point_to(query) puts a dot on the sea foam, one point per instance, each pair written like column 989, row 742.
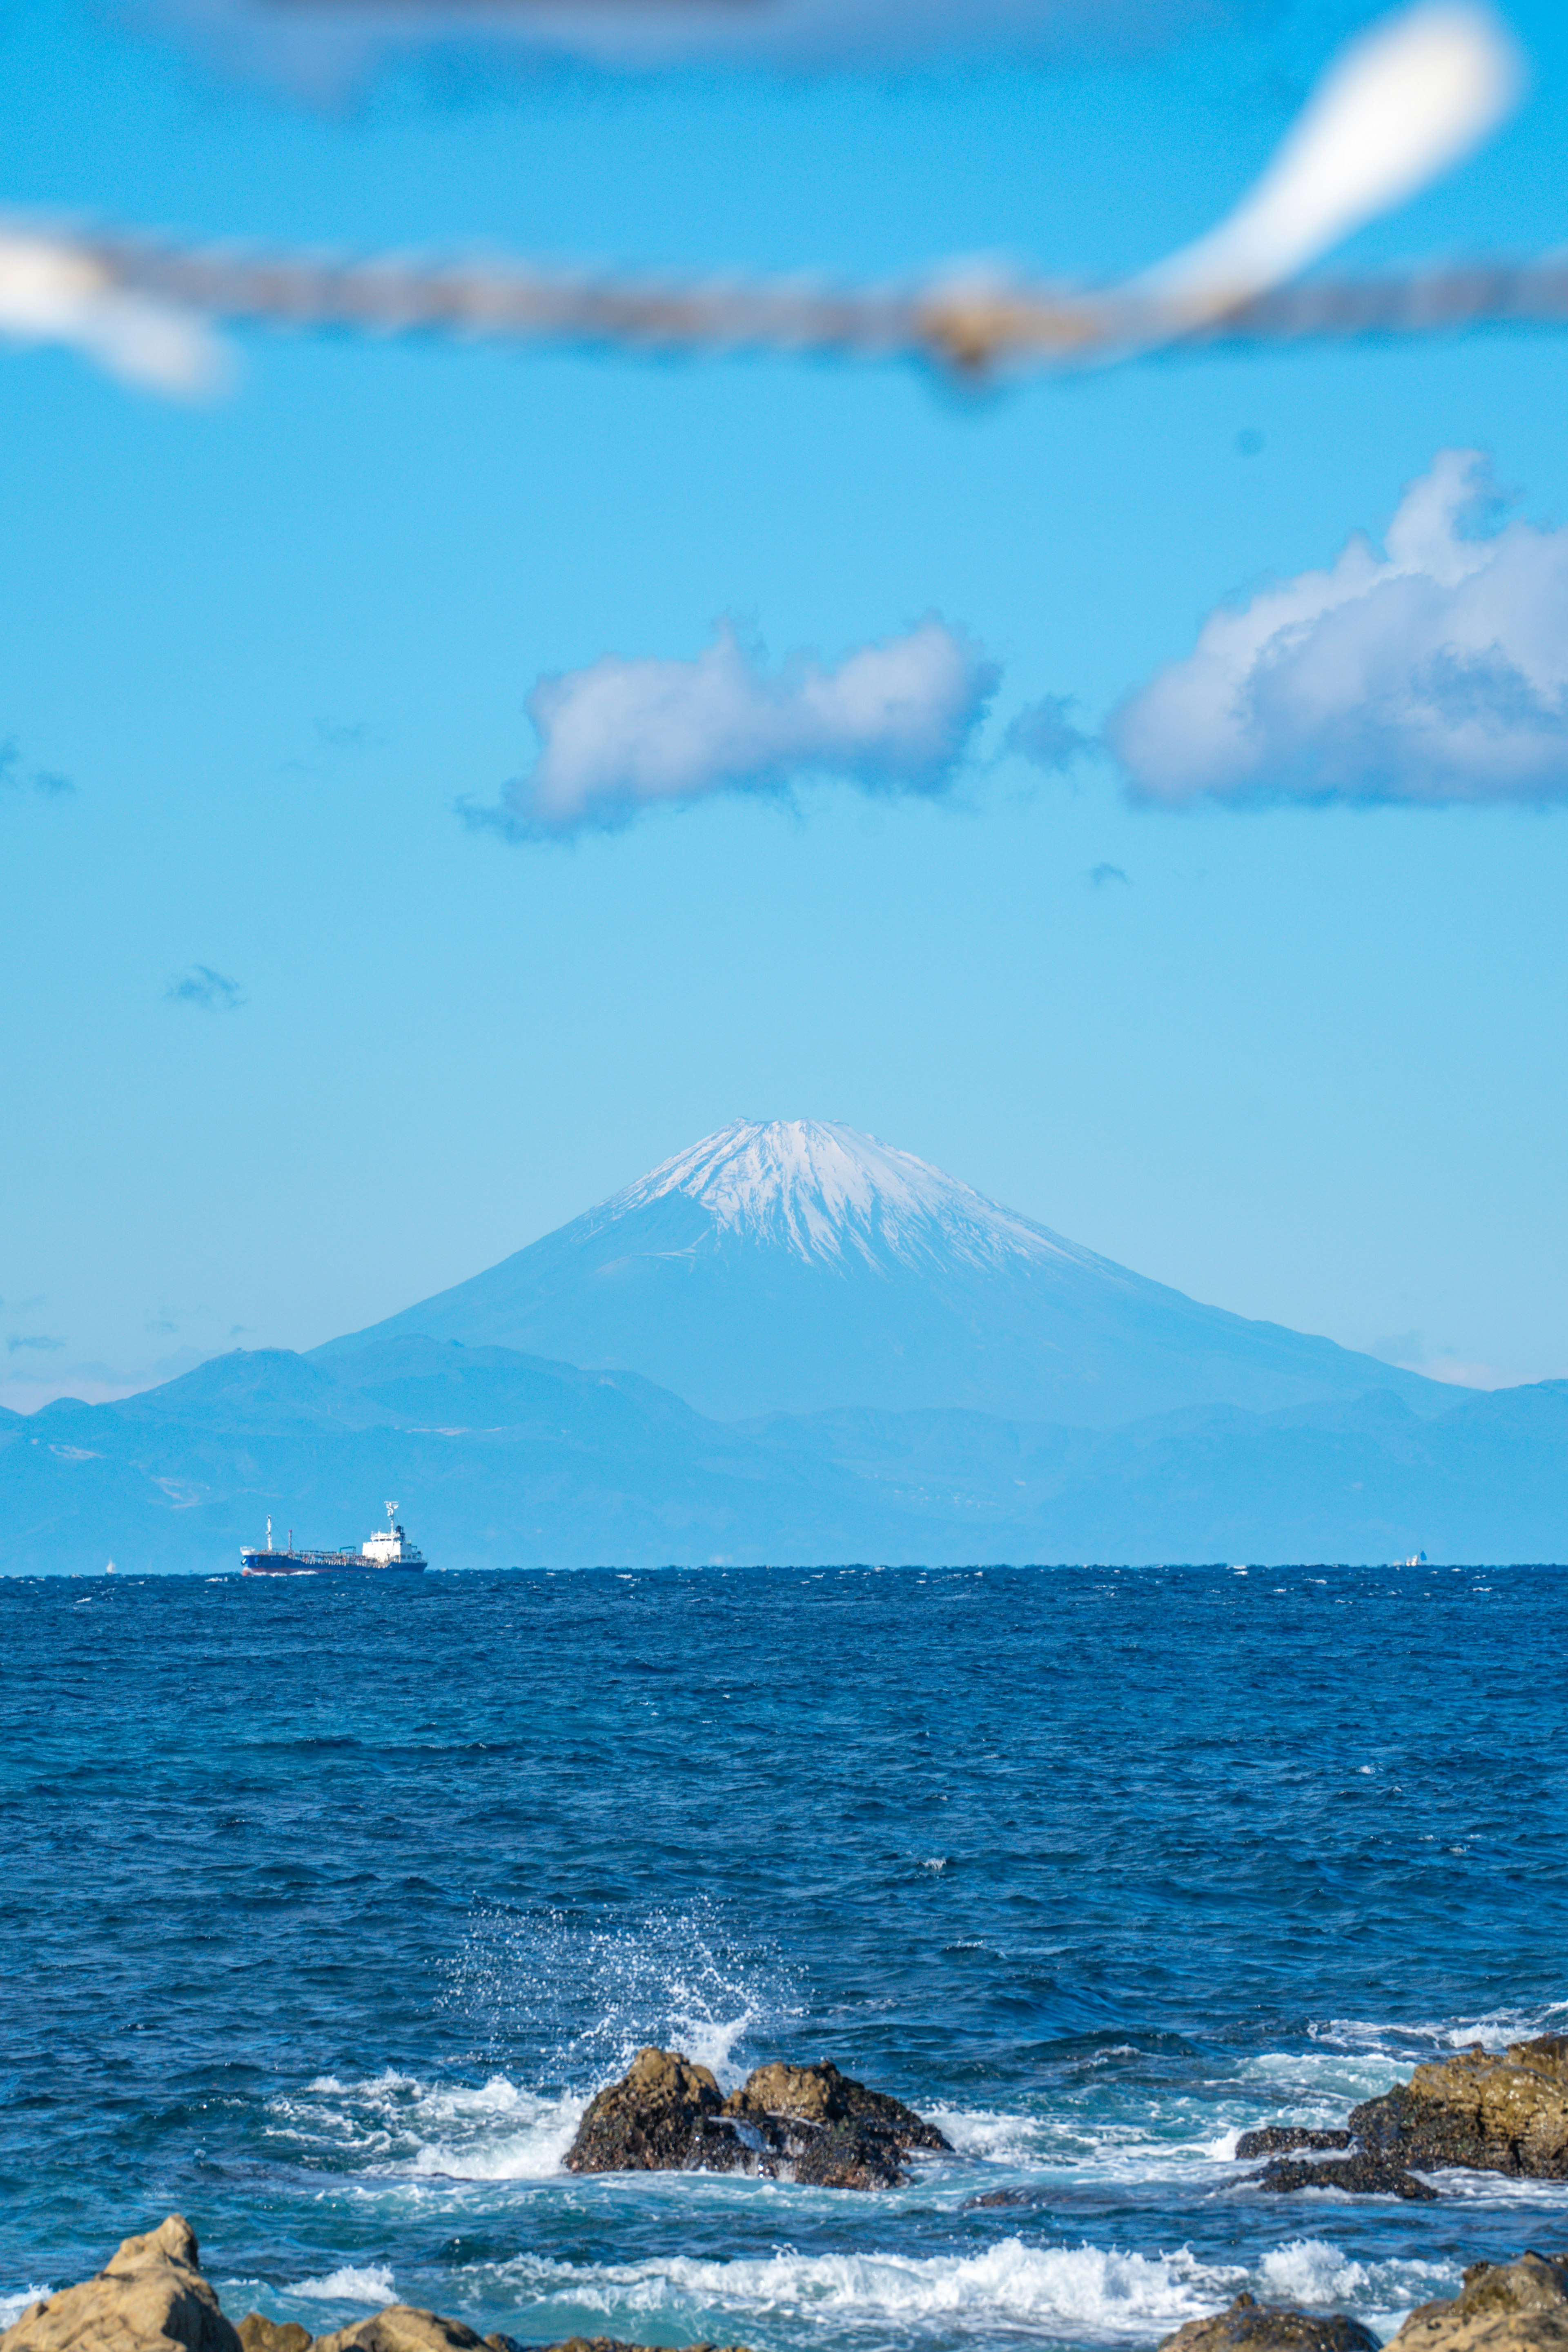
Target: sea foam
column 374, row 2286
column 1097, row 2290
column 15, row 2302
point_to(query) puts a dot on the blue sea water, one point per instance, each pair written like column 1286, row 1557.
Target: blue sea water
column 324, row 1909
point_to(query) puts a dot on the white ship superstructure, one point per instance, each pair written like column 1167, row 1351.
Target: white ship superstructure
column 387, row 1552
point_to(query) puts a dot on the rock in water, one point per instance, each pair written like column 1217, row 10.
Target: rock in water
column 150, row 2297
column 1279, row 2139
column 1250, row 2326
column 1363, row 2174
column 1519, row 2306
column 809, row 2124
column 821, row 2095
column 650, row 2120
column 826, row 2130
column 1505, row 2113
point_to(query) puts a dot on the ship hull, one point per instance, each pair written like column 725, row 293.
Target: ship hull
column 324, row 1563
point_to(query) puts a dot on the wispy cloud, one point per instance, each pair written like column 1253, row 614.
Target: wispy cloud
column 346, row 735
column 17, row 776
column 202, row 986
column 40, row 1342
column 1102, row 874
column 1044, row 733
column 622, row 736
column 1436, row 670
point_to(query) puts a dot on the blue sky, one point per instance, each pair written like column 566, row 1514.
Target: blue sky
column 289, row 1044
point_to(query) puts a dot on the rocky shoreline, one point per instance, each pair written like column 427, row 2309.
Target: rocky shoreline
column 1496, row 2111
column 151, row 2297
column 1519, row 2306
column 1483, row 2111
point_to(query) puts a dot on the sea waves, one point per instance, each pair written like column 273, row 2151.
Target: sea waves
column 336, row 1973
column 1079, row 2293
column 393, row 2127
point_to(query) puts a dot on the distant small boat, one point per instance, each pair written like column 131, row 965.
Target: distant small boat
column 388, row 1552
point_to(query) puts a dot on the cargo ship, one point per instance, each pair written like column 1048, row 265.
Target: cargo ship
column 388, row 1552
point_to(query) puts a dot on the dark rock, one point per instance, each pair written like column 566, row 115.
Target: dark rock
column 1270, row 2328
column 849, row 2156
column 1005, row 2197
column 650, row 2120
column 821, row 2095
column 260, row 2334
column 807, row 2124
column 1493, row 2111
column 1359, row 2175
column 1279, row 2139
column 1519, row 2306
column 1490, row 2111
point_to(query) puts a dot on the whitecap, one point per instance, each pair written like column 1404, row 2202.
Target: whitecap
column 495, row 2133
column 350, row 2285
column 1321, row 2275
column 986, row 2133
column 1310, row 2270
column 1096, row 2292
column 15, row 2302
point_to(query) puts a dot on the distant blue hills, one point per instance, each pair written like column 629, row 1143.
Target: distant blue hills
column 792, row 1345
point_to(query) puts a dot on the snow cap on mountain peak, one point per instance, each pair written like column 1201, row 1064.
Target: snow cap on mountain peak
column 823, row 1190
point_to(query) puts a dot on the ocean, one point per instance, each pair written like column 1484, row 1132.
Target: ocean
column 323, row 1910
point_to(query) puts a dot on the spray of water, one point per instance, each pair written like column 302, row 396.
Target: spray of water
column 572, row 2001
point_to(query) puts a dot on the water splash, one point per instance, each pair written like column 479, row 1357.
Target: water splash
column 575, row 2002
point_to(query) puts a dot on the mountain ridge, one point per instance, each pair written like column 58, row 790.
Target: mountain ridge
column 505, row 1460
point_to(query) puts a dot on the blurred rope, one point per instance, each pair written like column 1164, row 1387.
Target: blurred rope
column 972, row 326
column 1404, row 100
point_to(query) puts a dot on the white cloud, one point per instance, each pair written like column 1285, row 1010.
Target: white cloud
column 620, row 735
column 1435, row 671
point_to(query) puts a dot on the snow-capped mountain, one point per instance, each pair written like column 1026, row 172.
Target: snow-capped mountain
column 816, row 1189
column 796, row 1265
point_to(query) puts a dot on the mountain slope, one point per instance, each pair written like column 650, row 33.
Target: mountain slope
column 798, row 1266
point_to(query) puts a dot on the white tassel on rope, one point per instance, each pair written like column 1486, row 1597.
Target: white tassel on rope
column 52, row 291
column 1402, row 104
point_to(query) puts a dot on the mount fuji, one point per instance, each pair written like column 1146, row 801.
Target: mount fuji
column 796, row 1267
column 792, row 1343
